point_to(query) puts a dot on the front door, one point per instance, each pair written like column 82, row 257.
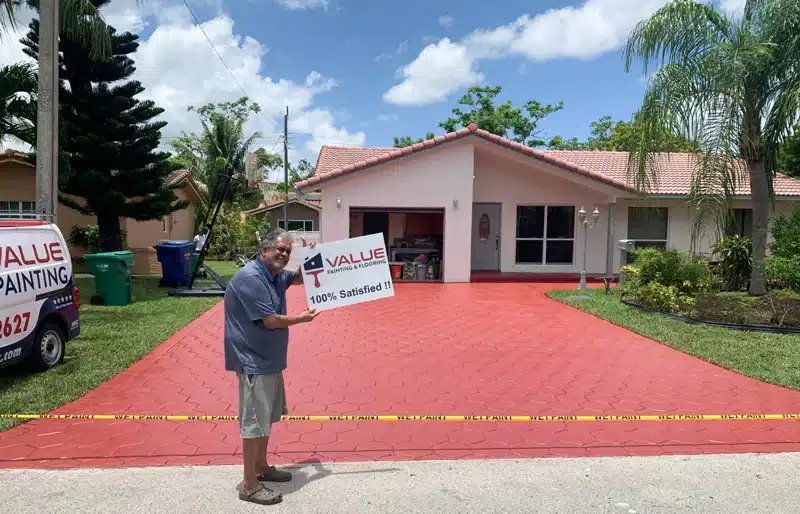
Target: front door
column 486, row 236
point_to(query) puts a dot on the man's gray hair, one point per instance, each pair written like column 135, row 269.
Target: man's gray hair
column 269, row 239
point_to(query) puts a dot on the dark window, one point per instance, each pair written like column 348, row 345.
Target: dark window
column 545, row 235
column 530, row 222
column 561, row 223
column 741, row 223
column 529, row 251
column 647, row 226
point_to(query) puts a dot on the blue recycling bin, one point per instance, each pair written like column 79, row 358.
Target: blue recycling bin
column 176, row 262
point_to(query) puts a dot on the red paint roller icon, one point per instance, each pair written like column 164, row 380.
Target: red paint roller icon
column 313, row 266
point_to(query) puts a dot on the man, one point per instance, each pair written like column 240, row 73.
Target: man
column 200, row 240
column 256, row 344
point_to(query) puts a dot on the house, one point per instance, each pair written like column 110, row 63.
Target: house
column 18, row 194
column 303, row 212
column 495, row 206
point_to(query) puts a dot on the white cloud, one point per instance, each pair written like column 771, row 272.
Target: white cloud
column 590, row 30
column 387, row 117
column 304, row 4
column 400, row 50
column 446, row 20
column 178, row 68
column 439, row 70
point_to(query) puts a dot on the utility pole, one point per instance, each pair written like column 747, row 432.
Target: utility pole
column 47, row 113
column 286, row 170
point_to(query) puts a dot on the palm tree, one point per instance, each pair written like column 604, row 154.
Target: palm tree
column 733, row 84
column 225, row 148
column 80, row 21
column 17, row 107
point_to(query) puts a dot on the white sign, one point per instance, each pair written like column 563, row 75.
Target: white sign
column 346, row 272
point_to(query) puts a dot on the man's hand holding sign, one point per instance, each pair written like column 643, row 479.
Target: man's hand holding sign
column 346, row 272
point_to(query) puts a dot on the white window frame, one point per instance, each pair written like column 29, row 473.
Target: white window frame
column 304, row 222
column 649, row 240
column 164, row 224
column 18, row 212
column 544, row 238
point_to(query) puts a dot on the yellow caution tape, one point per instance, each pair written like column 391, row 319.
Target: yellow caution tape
column 659, row 417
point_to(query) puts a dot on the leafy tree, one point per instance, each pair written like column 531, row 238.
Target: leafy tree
column 516, row 123
column 732, row 84
column 559, row 143
column 268, row 161
column 17, row 109
column 222, row 146
column 108, row 137
column 298, row 173
column 789, row 154
column 619, row 136
column 404, row 141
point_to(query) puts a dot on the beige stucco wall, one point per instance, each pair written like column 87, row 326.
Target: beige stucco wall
column 680, row 222
column 18, row 182
column 177, row 226
column 430, row 179
column 512, row 182
column 294, row 211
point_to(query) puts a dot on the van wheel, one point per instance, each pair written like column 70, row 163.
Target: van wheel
column 48, row 347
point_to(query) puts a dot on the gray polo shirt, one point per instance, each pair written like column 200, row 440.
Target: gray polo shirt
column 252, row 294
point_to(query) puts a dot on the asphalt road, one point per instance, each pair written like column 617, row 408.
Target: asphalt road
column 629, row 485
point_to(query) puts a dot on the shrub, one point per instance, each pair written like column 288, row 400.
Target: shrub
column 234, row 236
column 783, row 272
column 777, row 308
column 657, row 296
column 736, row 254
column 88, row 237
column 786, row 236
column 726, row 307
column 672, row 268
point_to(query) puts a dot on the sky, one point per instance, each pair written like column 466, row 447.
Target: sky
column 359, row 72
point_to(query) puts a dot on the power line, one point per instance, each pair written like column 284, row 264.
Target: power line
column 199, row 26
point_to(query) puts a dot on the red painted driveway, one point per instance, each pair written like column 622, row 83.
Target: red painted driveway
column 432, row 349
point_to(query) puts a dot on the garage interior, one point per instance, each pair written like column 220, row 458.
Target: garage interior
column 414, row 240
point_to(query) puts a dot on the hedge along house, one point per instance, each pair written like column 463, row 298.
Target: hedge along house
column 18, row 197
column 502, row 209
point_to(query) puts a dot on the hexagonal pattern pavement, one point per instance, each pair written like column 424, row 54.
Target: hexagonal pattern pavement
column 490, row 349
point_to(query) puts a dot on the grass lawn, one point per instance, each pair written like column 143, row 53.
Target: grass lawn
column 112, row 338
column 768, row 357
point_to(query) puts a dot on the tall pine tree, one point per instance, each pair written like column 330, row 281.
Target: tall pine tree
column 108, row 140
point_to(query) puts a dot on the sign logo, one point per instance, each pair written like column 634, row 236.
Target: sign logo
column 313, row 265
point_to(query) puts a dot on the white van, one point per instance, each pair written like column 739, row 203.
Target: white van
column 38, row 299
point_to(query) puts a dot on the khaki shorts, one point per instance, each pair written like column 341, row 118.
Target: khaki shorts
column 262, row 402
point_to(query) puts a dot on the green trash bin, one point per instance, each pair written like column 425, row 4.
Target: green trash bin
column 112, row 274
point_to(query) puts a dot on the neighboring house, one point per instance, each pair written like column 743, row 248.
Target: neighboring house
column 303, row 212
column 17, row 199
column 498, row 206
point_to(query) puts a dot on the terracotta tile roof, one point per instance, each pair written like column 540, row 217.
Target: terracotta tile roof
column 277, row 200
column 674, row 170
column 14, row 155
column 335, row 157
column 176, row 177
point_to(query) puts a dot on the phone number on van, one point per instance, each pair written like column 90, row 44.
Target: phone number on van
column 14, row 324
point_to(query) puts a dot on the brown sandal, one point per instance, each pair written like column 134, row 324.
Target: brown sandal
column 260, row 495
column 275, row 475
